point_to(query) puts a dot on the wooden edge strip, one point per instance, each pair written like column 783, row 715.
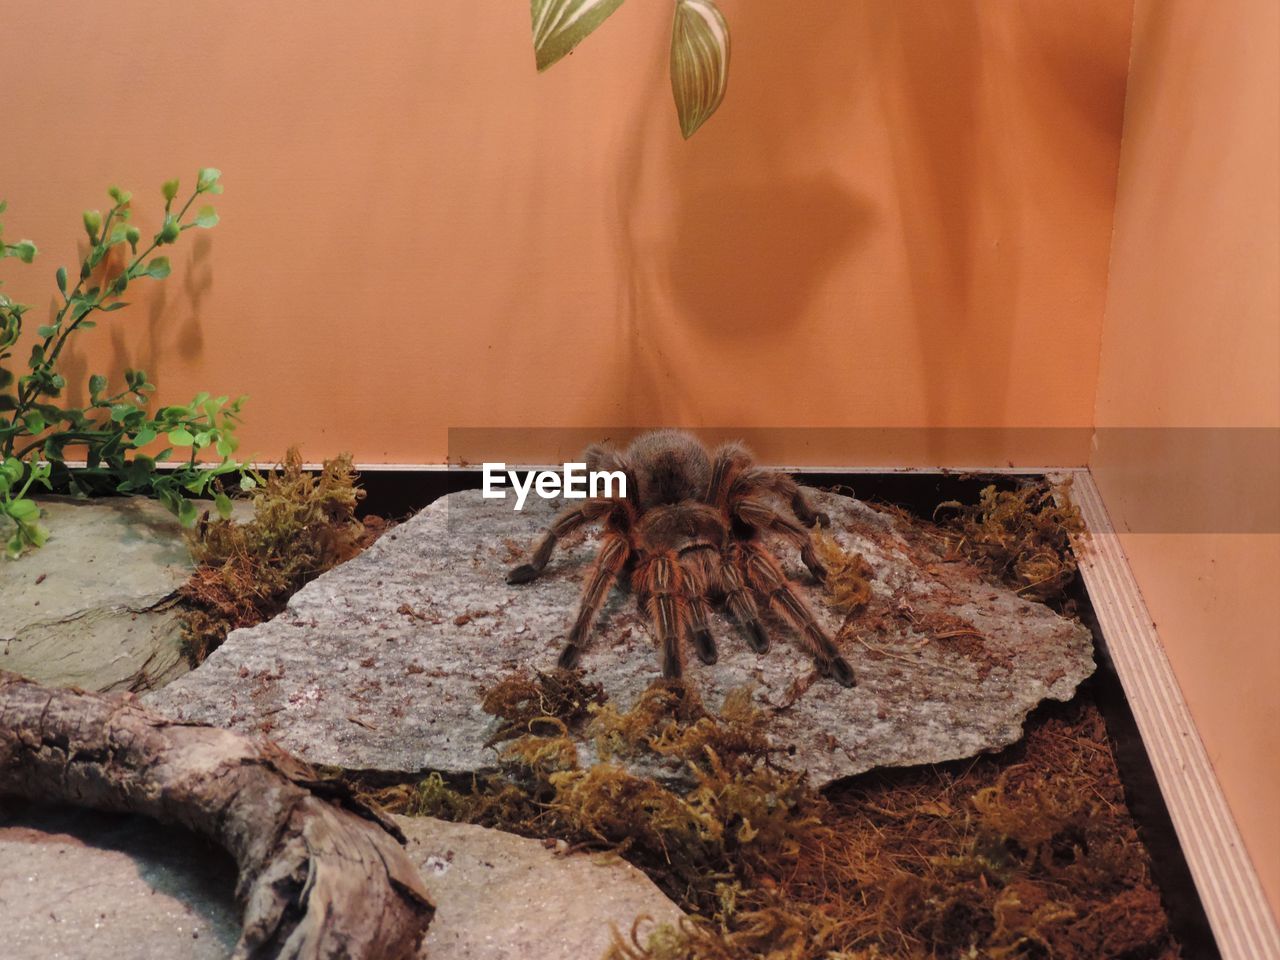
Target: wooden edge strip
column 1238, row 911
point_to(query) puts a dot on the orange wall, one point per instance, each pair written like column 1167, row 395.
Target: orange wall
column 900, row 217
column 1192, row 338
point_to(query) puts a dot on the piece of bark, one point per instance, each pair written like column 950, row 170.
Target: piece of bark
column 320, row 874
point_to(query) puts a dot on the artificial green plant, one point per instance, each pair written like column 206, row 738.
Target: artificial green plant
column 38, row 426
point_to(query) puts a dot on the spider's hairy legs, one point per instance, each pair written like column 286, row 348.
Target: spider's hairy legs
column 767, row 579
column 738, row 599
column 761, row 516
column 786, row 488
column 565, row 522
column 662, row 590
column 613, row 554
column 699, row 564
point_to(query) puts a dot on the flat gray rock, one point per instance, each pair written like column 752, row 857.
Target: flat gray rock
column 380, row 664
column 500, row 896
column 82, row 885
column 88, row 886
column 94, row 607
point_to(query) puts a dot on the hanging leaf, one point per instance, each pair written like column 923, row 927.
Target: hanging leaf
column 560, row 25
column 699, row 62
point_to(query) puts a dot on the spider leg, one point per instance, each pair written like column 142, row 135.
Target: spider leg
column 699, row 573
column 760, row 515
column 764, row 574
column 614, row 550
column 565, row 522
column 741, row 604
column 786, row 488
column 662, row 588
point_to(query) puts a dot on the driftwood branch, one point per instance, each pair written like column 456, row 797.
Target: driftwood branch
column 320, row 874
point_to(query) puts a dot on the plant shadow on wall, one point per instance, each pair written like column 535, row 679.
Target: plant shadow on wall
column 171, row 329
column 759, row 214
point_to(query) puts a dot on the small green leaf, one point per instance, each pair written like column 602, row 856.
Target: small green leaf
column 699, row 62
column 247, row 482
column 23, row 511
column 223, row 503
column 158, row 268
column 560, row 25
column 118, row 195
column 207, row 178
column 144, row 436
column 61, row 277
column 24, row 250
column 206, row 217
column 187, row 513
column 35, row 422
column 181, row 437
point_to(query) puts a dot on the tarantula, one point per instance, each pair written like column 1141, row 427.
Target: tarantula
column 688, row 534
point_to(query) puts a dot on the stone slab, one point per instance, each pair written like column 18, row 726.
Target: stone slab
column 81, row 885
column 95, row 606
column 380, row 664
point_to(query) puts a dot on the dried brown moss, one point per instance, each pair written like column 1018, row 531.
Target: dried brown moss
column 849, row 576
column 540, row 703
column 1028, row 853
column 1022, row 536
column 302, row 525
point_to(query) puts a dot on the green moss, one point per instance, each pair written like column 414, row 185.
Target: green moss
column 302, row 525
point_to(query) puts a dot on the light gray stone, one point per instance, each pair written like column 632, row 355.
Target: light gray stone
column 88, row 886
column 81, row 885
column 380, row 664
column 95, row 606
column 500, row 896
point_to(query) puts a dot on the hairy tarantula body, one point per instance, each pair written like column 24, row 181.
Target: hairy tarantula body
column 689, row 535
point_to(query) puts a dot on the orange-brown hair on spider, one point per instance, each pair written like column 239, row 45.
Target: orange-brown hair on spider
column 689, row 534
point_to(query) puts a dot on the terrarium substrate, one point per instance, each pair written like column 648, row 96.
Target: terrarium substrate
column 383, row 669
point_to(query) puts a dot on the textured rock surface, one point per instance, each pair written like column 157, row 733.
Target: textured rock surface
column 93, row 608
column 84, row 885
column 501, row 896
column 81, row 885
column 380, row 663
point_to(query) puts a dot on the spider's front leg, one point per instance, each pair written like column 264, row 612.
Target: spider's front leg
column 699, row 565
column 786, row 488
column 766, row 577
column 565, row 522
column 661, row 589
column 742, row 606
column 761, row 516
column 614, row 550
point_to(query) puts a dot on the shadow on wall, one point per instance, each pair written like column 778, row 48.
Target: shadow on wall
column 756, row 226
column 171, row 329
column 954, row 203
column 948, row 97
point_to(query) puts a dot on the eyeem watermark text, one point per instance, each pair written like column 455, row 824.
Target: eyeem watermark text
column 577, row 483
